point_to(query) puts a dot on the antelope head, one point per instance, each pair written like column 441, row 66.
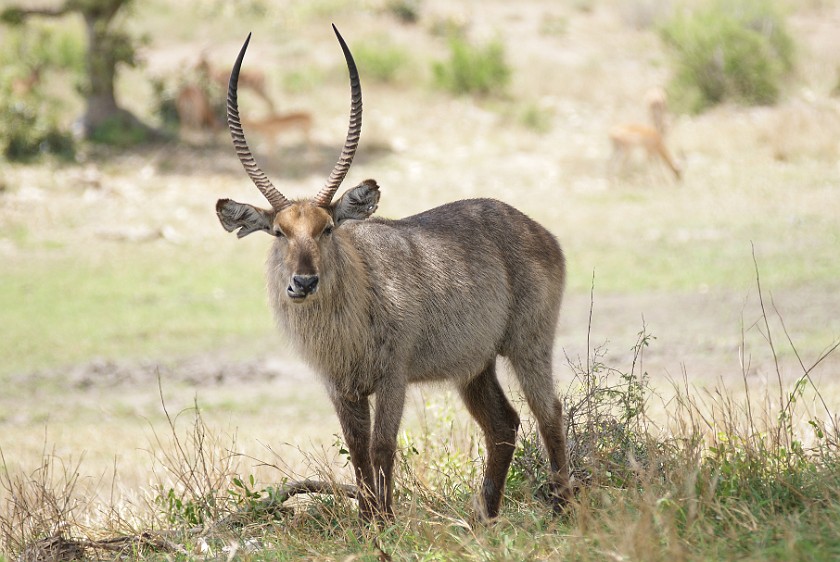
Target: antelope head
column 304, row 228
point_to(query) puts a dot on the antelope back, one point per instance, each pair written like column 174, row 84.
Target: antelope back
column 430, row 297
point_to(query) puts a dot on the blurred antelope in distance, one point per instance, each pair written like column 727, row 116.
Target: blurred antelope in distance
column 195, row 112
column 22, row 86
column 627, row 136
column 251, row 79
column 270, row 128
column 374, row 305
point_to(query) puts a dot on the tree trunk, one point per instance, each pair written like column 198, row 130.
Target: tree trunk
column 101, row 105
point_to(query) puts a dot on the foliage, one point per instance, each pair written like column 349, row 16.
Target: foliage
column 108, row 46
column 44, row 44
column 121, row 130
column 164, row 105
column 609, row 433
column 728, row 50
column 382, row 61
column 535, row 117
column 29, row 115
column 26, row 134
column 473, row 69
column 406, row 11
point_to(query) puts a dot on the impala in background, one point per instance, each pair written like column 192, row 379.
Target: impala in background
column 627, row 136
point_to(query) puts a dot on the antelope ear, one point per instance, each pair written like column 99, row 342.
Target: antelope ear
column 246, row 218
column 357, row 203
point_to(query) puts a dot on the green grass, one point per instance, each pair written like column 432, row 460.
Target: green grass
column 148, row 302
column 159, row 301
column 700, row 265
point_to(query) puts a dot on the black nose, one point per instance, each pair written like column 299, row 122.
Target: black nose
column 305, row 283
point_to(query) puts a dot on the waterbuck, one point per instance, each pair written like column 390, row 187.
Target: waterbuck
column 374, row 305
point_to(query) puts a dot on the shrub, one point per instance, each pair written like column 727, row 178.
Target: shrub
column 382, row 62
column 536, row 118
column 26, row 135
column 164, row 104
column 728, row 50
column 473, row 69
column 45, row 44
column 122, row 130
column 406, row 11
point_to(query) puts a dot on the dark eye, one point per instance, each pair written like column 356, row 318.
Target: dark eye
column 328, row 230
column 279, row 233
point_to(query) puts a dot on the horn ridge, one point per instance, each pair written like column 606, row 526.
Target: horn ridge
column 278, row 200
column 354, row 131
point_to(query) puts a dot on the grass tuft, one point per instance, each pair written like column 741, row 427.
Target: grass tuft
column 473, row 69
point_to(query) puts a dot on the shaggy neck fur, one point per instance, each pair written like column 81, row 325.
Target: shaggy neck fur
column 330, row 327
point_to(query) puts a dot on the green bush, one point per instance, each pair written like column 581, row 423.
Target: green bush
column 473, row 69
column 26, row 135
column 44, row 44
column 737, row 50
column 406, row 11
column 164, row 105
column 121, row 130
column 382, row 62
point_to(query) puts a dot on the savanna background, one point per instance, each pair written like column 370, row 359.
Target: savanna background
column 145, row 395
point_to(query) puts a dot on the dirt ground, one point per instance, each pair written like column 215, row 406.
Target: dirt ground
column 426, row 148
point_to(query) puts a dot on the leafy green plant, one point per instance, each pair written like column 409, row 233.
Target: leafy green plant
column 181, row 509
column 609, row 432
column 473, row 69
column 728, row 50
column 245, row 495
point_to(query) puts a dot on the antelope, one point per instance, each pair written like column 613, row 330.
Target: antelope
column 253, row 79
column 194, row 109
column 269, row 128
column 374, row 305
column 626, row 136
column 22, row 86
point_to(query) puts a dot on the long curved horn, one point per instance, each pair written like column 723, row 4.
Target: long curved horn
column 353, row 133
column 277, row 199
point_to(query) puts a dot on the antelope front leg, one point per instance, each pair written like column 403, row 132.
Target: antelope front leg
column 354, row 417
column 390, row 399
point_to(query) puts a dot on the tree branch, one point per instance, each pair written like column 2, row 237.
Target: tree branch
column 16, row 15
